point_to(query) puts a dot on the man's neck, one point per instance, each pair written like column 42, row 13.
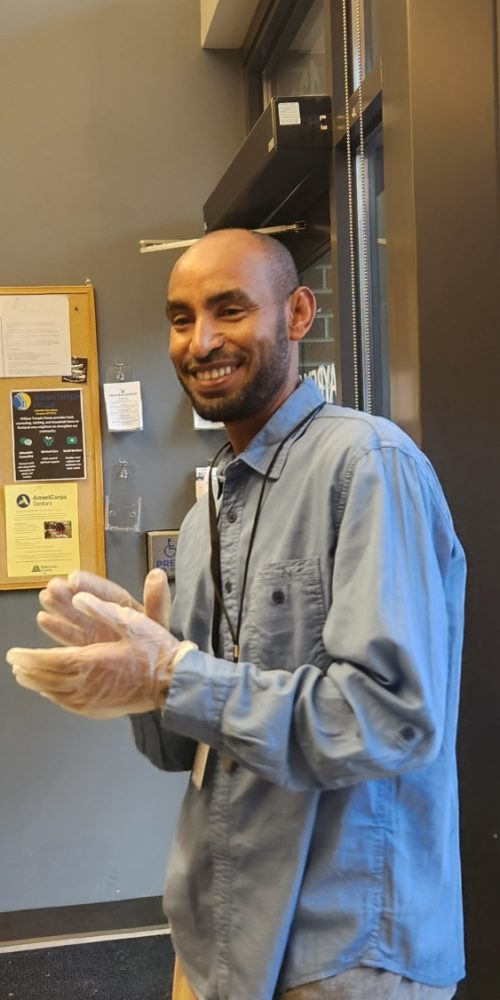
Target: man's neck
column 241, row 432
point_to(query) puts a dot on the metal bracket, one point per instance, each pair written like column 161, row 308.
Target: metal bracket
column 152, row 246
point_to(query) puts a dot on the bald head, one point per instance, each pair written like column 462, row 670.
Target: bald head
column 279, row 263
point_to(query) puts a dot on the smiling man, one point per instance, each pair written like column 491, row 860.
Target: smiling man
column 309, row 677
column 236, row 318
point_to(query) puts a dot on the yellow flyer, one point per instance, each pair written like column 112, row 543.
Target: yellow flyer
column 42, row 529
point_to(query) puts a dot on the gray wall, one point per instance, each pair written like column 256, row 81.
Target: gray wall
column 116, row 126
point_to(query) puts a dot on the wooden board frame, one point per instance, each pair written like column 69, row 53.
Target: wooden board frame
column 90, row 490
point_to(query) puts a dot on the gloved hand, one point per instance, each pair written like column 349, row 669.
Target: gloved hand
column 61, row 621
column 127, row 671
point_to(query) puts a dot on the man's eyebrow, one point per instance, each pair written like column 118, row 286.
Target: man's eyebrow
column 176, row 305
column 230, row 295
column 236, row 295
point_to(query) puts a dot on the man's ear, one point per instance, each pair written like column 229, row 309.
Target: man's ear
column 302, row 310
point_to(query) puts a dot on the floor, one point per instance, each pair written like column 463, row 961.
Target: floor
column 137, row 968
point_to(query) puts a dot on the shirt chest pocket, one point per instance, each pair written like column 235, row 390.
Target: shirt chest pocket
column 285, row 616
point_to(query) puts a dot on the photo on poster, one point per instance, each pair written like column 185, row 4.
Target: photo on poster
column 57, row 529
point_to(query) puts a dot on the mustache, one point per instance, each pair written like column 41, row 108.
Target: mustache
column 219, row 356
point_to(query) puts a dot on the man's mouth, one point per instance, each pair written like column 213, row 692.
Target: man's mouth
column 212, row 374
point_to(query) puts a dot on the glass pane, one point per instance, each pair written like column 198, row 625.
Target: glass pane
column 316, row 357
column 302, row 68
column 365, row 44
column 373, row 275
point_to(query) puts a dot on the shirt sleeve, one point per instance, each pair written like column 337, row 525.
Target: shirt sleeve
column 167, row 750
column 392, row 633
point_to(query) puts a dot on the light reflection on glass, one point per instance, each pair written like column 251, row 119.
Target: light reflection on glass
column 373, row 298
column 365, row 52
column 302, row 68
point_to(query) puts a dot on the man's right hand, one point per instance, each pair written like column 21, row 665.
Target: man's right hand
column 66, row 625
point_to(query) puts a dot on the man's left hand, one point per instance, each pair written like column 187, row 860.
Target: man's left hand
column 126, row 675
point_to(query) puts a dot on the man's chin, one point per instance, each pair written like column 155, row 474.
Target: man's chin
column 228, row 408
column 208, row 409
column 212, row 413
column 225, row 410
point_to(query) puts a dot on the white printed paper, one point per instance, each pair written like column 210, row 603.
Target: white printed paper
column 202, row 480
column 34, row 336
column 200, row 424
column 289, row 113
column 123, row 404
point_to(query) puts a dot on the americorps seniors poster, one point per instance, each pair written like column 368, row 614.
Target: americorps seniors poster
column 42, row 530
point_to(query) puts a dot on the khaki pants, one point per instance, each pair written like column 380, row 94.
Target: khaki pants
column 357, row 984
column 368, row 984
column 181, row 989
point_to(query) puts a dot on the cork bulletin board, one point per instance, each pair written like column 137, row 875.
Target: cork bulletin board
column 51, row 486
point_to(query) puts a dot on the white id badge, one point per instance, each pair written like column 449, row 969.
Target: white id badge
column 199, row 765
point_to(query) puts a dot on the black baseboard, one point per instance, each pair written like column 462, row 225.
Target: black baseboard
column 87, row 918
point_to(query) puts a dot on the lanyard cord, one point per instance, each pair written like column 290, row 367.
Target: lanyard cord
column 219, row 603
column 215, row 560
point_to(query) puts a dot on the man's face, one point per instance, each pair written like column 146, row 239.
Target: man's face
column 229, row 336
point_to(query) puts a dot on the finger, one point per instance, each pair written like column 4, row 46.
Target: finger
column 66, row 659
column 57, row 596
column 60, row 629
column 25, row 680
column 82, row 581
column 57, row 601
column 44, row 682
column 106, row 612
column 126, row 623
column 157, row 599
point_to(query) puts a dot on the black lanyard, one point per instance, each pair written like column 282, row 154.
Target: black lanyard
column 219, row 604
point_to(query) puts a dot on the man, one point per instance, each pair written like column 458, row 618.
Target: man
column 316, row 699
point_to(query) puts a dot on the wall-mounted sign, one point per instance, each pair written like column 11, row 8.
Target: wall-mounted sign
column 162, row 551
column 47, row 434
column 200, row 424
column 34, row 335
column 123, row 402
column 42, row 531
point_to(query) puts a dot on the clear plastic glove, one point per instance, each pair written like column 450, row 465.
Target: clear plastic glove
column 61, row 620
column 129, row 672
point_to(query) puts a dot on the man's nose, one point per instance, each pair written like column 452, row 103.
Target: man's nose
column 204, row 337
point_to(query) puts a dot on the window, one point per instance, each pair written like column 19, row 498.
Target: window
column 317, row 349
column 361, row 244
column 372, row 244
column 365, row 39
column 301, row 68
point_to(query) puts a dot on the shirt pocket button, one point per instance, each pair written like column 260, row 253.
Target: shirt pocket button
column 278, row 597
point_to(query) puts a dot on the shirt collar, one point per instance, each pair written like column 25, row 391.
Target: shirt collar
column 296, row 407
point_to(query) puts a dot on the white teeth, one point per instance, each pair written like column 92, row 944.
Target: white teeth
column 208, row 375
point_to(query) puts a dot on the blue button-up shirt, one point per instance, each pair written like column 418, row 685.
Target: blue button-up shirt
column 333, row 842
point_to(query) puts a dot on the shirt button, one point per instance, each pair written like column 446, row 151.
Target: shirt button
column 407, row 732
column 278, row 597
column 232, row 515
column 228, row 586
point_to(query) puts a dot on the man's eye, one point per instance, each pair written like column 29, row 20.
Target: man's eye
column 180, row 322
column 232, row 312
